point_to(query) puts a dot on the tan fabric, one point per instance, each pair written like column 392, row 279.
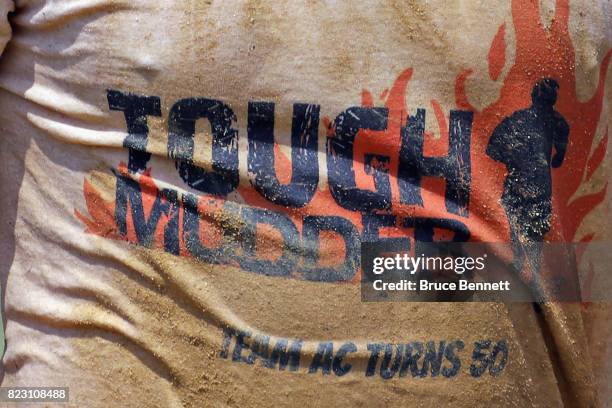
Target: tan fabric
column 124, row 325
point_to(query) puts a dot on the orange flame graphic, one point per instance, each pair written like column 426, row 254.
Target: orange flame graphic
column 540, row 53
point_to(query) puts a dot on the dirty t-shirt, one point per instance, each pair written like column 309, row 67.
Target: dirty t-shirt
column 185, row 187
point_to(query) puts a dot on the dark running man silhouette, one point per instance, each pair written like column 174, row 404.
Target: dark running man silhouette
column 524, row 142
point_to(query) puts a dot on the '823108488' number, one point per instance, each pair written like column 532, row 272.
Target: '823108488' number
column 34, row 394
